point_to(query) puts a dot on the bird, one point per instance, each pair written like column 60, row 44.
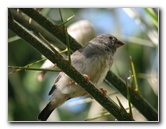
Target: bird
column 93, row 61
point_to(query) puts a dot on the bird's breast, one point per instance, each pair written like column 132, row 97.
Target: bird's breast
column 97, row 68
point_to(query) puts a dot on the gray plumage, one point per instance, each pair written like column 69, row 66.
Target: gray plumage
column 94, row 60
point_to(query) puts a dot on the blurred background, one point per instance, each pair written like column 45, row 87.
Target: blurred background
column 136, row 27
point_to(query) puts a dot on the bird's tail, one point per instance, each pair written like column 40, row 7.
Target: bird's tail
column 45, row 113
column 56, row 100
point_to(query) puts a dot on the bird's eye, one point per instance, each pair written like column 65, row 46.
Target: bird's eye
column 113, row 40
column 111, row 37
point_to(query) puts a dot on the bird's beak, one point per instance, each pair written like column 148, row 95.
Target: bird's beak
column 119, row 43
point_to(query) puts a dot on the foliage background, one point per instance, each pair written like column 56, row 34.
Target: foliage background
column 27, row 96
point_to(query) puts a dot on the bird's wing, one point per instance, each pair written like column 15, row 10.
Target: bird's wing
column 54, row 86
column 52, row 89
column 78, row 61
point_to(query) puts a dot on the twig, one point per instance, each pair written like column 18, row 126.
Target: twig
column 134, row 74
column 36, row 69
column 26, row 66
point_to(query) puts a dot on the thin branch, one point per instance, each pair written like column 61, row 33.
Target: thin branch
column 120, row 104
column 36, row 69
column 28, row 65
column 68, row 20
column 134, row 74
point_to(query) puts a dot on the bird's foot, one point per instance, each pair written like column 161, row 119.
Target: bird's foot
column 87, row 77
column 104, row 91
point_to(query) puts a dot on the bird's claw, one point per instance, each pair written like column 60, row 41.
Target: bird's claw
column 104, row 91
column 87, row 77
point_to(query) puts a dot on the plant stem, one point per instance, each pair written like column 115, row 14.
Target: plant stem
column 134, row 74
column 36, row 69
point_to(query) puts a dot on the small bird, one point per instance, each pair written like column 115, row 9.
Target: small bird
column 93, row 61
